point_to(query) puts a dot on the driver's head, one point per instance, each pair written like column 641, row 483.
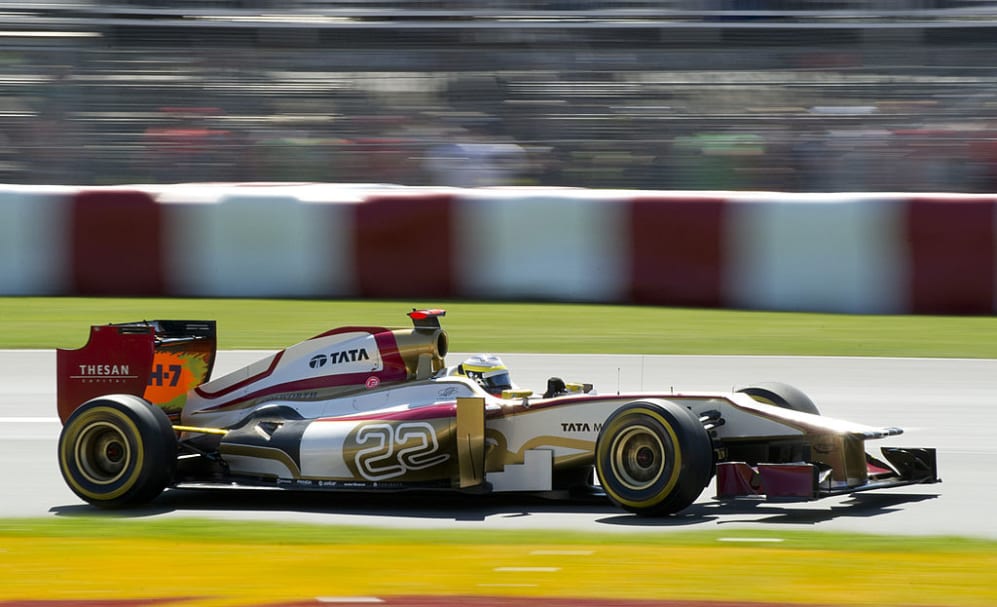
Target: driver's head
column 489, row 371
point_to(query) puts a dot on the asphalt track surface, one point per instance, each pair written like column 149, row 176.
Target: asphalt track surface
column 948, row 404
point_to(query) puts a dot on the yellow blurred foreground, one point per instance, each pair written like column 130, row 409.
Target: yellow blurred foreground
column 209, row 572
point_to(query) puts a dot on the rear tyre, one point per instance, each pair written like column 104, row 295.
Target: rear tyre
column 781, row 395
column 653, row 457
column 117, row 451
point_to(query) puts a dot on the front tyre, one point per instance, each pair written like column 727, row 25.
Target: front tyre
column 117, row 451
column 653, row 457
column 781, row 395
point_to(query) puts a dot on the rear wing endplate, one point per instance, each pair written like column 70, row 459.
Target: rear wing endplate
column 159, row 360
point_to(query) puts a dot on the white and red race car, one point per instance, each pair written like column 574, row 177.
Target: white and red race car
column 364, row 408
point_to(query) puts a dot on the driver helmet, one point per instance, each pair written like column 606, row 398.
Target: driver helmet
column 489, row 371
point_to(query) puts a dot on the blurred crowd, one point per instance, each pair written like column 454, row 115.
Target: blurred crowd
column 758, row 103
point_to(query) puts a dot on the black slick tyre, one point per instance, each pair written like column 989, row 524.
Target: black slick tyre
column 653, row 457
column 117, row 451
column 781, row 395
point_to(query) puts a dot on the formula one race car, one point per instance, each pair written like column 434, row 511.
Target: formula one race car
column 374, row 409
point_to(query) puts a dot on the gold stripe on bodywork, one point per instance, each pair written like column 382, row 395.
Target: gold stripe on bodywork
column 500, row 456
column 471, row 441
column 263, row 453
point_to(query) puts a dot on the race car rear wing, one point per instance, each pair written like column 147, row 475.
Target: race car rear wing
column 159, row 360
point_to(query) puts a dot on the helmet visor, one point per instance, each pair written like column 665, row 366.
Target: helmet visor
column 492, row 381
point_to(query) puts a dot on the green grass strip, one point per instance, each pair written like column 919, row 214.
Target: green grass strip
column 110, row 525
column 521, row 327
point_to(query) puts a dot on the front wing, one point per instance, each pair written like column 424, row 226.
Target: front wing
column 804, row 481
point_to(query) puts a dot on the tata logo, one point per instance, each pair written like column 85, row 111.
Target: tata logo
column 580, row 427
column 338, row 358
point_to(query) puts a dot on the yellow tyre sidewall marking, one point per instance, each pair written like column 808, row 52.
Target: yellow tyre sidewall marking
column 676, row 460
column 765, row 401
column 128, row 428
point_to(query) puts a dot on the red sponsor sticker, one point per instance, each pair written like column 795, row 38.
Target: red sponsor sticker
column 372, row 382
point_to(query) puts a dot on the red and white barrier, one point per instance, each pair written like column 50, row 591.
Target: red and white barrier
column 35, row 249
column 403, row 245
column 677, row 251
column 849, row 253
column 115, row 240
column 562, row 245
column 834, row 252
column 951, row 254
column 259, row 242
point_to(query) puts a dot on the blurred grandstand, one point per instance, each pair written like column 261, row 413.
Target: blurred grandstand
column 796, row 95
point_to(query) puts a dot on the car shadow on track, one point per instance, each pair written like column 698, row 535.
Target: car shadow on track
column 725, row 512
column 414, row 505
column 442, row 506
